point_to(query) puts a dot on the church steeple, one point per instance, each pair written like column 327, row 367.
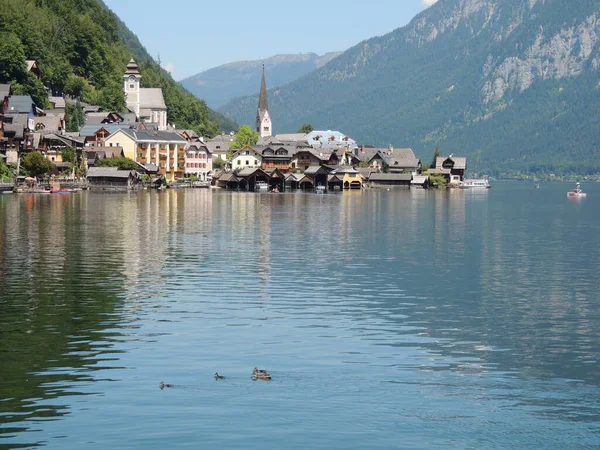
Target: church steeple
column 263, row 118
column 131, row 87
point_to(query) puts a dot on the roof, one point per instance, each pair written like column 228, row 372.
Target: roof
column 399, row 157
column 191, row 134
column 48, row 123
column 58, row 102
column 90, row 130
column 460, row 162
column 151, row 135
column 95, row 118
column 55, row 137
column 196, row 147
column 313, row 170
column 366, row 172
column 132, row 68
column 295, row 176
column 249, row 171
column 229, row 176
column 419, row 179
column 291, row 137
column 367, row 154
column 150, row 168
column 217, row 146
column 390, row 177
column 30, row 64
column 18, row 125
column 107, row 172
column 20, row 104
column 152, row 98
column 262, row 98
column 329, row 139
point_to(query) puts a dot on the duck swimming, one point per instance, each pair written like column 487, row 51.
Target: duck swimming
column 165, row 385
column 259, row 374
column 219, row 377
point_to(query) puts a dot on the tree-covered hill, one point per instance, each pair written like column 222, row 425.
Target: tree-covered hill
column 82, row 49
column 512, row 84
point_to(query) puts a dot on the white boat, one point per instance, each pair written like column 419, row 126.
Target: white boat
column 576, row 192
column 475, row 184
column 261, row 186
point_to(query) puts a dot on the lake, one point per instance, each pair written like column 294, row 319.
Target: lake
column 387, row 319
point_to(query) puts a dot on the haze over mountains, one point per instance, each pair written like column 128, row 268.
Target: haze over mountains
column 512, row 84
column 219, row 85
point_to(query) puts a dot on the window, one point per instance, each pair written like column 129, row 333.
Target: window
column 266, row 128
column 247, row 162
column 239, row 162
column 132, row 86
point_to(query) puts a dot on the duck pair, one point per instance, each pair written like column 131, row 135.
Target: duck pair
column 259, row 374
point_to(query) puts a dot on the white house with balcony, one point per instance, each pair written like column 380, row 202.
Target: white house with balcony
column 246, row 157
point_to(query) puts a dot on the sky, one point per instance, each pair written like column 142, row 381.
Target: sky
column 194, row 35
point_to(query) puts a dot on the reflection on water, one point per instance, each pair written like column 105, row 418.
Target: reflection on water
column 435, row 319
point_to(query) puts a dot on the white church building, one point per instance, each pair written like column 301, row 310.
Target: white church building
column 148, row 104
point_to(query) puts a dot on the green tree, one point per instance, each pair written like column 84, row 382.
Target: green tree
column 219, row 164
column 436, row 155
column 36, row 165
column 77, row 87
column 306, row 128
column 12, row 58
column 68, row 155
column 75, row 118
column 112, row 97
column 6, row 172
column 120, row 162
column 245, row 136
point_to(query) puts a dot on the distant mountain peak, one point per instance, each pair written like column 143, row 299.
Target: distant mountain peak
column 221, row 84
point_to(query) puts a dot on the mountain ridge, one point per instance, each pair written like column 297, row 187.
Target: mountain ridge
column 221, row 84
column 457, row 70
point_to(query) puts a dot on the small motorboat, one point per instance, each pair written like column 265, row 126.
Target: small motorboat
column 261, row 186
column 482, row 183
column 576, row 192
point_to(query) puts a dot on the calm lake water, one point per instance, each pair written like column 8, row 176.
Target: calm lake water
column 395, row 319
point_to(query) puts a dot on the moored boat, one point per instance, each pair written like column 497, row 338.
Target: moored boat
column 482, row 183
column 576, row 192
column 261, row 186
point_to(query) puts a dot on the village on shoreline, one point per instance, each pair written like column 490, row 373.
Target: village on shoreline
column 140, row 149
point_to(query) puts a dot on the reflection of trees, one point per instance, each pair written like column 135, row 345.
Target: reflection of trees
column 52, row 323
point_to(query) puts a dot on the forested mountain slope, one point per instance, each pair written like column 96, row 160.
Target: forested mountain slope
column 513, row 84
column 82, row 49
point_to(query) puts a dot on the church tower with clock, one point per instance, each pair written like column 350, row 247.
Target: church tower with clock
column 263, row 118
column 131, row 86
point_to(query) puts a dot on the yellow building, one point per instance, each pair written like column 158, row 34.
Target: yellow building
column 164, row 149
